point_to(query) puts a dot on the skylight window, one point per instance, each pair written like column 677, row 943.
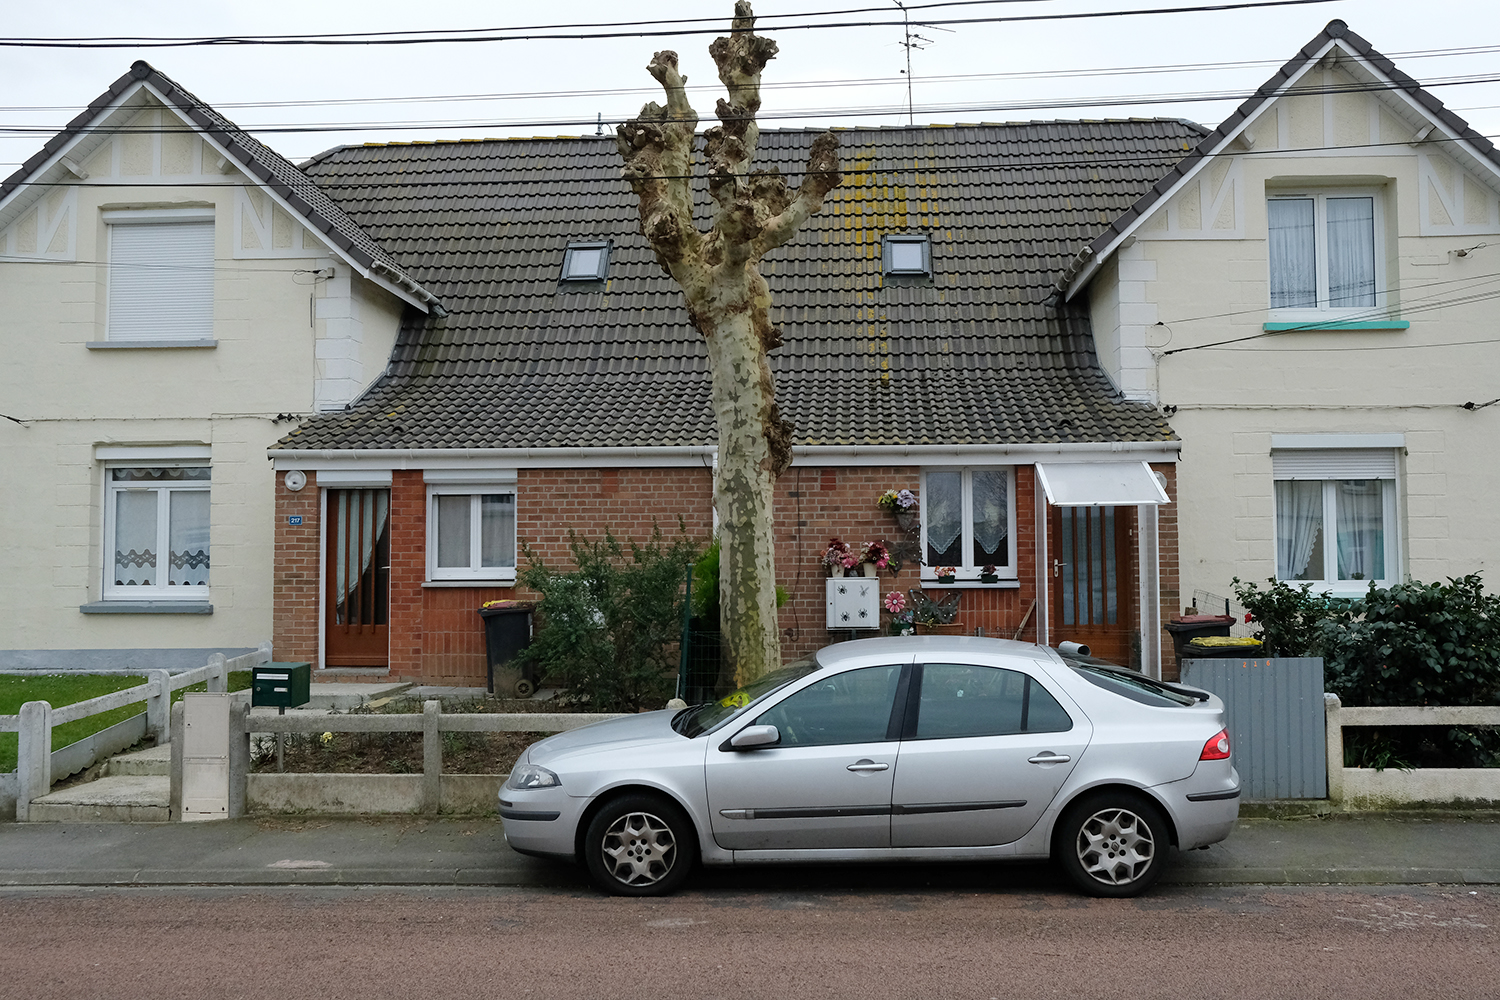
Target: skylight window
column 586, row 261
column 911, row 255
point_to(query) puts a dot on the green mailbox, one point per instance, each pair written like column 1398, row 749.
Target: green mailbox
column 280, row 685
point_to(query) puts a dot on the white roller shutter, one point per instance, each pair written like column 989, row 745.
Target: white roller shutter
column 161, row 281
column 1334, row 463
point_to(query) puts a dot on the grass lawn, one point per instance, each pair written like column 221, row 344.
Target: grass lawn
column 66, row 689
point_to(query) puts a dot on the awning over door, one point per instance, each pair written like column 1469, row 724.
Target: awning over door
column 1101, row 484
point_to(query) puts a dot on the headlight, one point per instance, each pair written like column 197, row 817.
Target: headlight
column 532, row 776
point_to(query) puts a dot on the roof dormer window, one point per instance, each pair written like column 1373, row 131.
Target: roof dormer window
column 907, row 254
column 586, row 261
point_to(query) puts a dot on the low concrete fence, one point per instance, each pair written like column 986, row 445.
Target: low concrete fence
column 38, row 765
column 1367, row 788
column 430, row 792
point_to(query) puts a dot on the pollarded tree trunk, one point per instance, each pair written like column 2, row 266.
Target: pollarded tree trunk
column 729, row 304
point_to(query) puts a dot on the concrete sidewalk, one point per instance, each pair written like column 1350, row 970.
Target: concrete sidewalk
column 1369, row 850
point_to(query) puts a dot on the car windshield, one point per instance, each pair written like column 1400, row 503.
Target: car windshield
column 691, row 722
column 1134, row 686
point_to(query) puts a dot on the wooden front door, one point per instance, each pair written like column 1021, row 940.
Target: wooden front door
column 357, row 574
column 1093, row 583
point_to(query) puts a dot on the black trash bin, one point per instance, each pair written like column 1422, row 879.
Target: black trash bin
column 1189, row 627
column 507, row 631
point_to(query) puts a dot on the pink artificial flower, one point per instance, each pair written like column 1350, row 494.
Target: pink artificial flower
column 895, row 603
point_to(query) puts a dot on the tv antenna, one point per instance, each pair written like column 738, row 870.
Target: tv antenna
column 913, row 42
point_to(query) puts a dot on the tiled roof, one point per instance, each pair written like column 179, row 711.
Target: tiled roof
column 1215, row 140
column 981, row 354
column 259, row 160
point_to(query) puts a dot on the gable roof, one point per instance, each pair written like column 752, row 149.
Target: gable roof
column 1336, row 32
column 267, row 166
column 981, row 354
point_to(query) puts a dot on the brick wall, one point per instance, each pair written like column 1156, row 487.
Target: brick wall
column 295, row 574
column 1170, row 568
column 437, row 636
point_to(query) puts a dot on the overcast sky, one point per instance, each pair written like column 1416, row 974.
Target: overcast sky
column 844, row 76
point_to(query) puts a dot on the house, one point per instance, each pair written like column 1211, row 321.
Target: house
column 173, row 296
column 561, row 388
column 1310, row 295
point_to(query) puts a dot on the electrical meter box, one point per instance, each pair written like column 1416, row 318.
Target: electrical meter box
column 853, row 603
column 280, row 685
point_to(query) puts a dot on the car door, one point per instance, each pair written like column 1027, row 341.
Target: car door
column 983, row 754
column 827, row 783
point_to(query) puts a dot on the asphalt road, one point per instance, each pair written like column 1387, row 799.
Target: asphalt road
column 834, row 935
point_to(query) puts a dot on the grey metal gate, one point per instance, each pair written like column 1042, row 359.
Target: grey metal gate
column 1275, row 712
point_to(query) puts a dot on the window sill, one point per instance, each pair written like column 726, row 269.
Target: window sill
column 1334, row 324
column 147, row 608
column 931, row 582
column 498, row 582
column 135, row 345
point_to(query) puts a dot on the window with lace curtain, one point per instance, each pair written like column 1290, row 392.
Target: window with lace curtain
column 471, row 532
column 1336, row 521
column 156, row 533
column 968, row 521
column 1324, row 255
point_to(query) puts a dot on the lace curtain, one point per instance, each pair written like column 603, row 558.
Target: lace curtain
column 1351, row 252
column 1294, row 275
column 1299, row 526
column 1360, row 512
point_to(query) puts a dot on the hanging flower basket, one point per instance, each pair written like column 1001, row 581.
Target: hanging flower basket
column 908, row 521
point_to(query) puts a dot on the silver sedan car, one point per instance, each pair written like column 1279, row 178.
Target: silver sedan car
column 893, row 749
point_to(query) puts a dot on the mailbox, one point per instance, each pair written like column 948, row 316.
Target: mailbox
column 280, row 685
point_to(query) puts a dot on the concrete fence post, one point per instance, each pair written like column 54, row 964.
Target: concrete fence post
column 1334, row 729
column 174, row 794
column 264, row 649
column 158, row 703
column 432, row 757
column 239, row 757
column 218, row 674
column 34, row 756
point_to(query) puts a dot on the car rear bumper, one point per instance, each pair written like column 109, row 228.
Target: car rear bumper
column 1204, row 807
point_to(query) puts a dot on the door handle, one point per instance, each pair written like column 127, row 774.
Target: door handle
column 868, row 765
column 1048, row 757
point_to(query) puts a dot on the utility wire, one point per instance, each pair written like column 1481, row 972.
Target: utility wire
column 530, row 35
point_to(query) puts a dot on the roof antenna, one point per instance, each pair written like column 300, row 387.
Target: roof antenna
column 599, row 128
column 913, row 42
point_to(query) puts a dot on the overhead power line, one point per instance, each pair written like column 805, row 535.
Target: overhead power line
column 534, row 35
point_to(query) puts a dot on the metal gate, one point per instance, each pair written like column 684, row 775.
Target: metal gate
column 1275, row 713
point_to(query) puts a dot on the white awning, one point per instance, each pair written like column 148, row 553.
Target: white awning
column 1103, row 484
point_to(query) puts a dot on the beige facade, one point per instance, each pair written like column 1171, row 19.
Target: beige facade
column 293, row 329
column 1183, row 315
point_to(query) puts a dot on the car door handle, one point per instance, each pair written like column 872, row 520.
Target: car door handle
column 1048, row 757
column 868, row 765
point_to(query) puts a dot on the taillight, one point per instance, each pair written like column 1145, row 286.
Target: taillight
column 1217, row 747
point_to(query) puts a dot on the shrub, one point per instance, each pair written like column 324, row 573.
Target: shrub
column 1289, row 617
column 608, row 631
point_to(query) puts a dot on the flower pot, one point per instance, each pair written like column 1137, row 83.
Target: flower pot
column 953, row 628
column 947, row 579
column 988, row 578
column 869, row 569
column 908, row 521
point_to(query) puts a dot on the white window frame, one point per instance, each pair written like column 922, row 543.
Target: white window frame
column 1322, row 311
column 968, row 573
column 1390, row 516
column 474, row 571
column 114, row 221
column 888, row 254
column 598, row 274
column 120, row 592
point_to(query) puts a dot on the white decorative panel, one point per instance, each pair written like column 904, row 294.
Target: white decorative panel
column 853, row 602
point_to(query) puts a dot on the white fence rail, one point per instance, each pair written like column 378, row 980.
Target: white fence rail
column 38, row 765
column 431, row 723
column 1365, row 787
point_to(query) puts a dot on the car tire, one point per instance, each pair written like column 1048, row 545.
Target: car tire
column 1111, row 844
column 640, row 845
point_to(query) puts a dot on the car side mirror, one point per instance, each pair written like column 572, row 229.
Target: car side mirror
column 752, row 737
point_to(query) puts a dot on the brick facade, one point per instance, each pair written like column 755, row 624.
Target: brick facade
column 437, row 637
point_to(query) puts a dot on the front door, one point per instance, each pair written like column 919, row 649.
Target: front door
column 357, row 577
column 827, row 784
column 1092, row 584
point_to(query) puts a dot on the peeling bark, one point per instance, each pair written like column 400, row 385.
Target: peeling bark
column 728, row 303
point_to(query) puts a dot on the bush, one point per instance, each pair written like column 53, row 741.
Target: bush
column 1289, row 617
column 609, row 630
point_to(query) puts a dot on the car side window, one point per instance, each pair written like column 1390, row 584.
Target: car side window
column 964, row 700
column 852, row 707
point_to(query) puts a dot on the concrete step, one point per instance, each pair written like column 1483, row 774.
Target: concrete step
column 117, row 799
column 153, row 762
column 335, row 694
